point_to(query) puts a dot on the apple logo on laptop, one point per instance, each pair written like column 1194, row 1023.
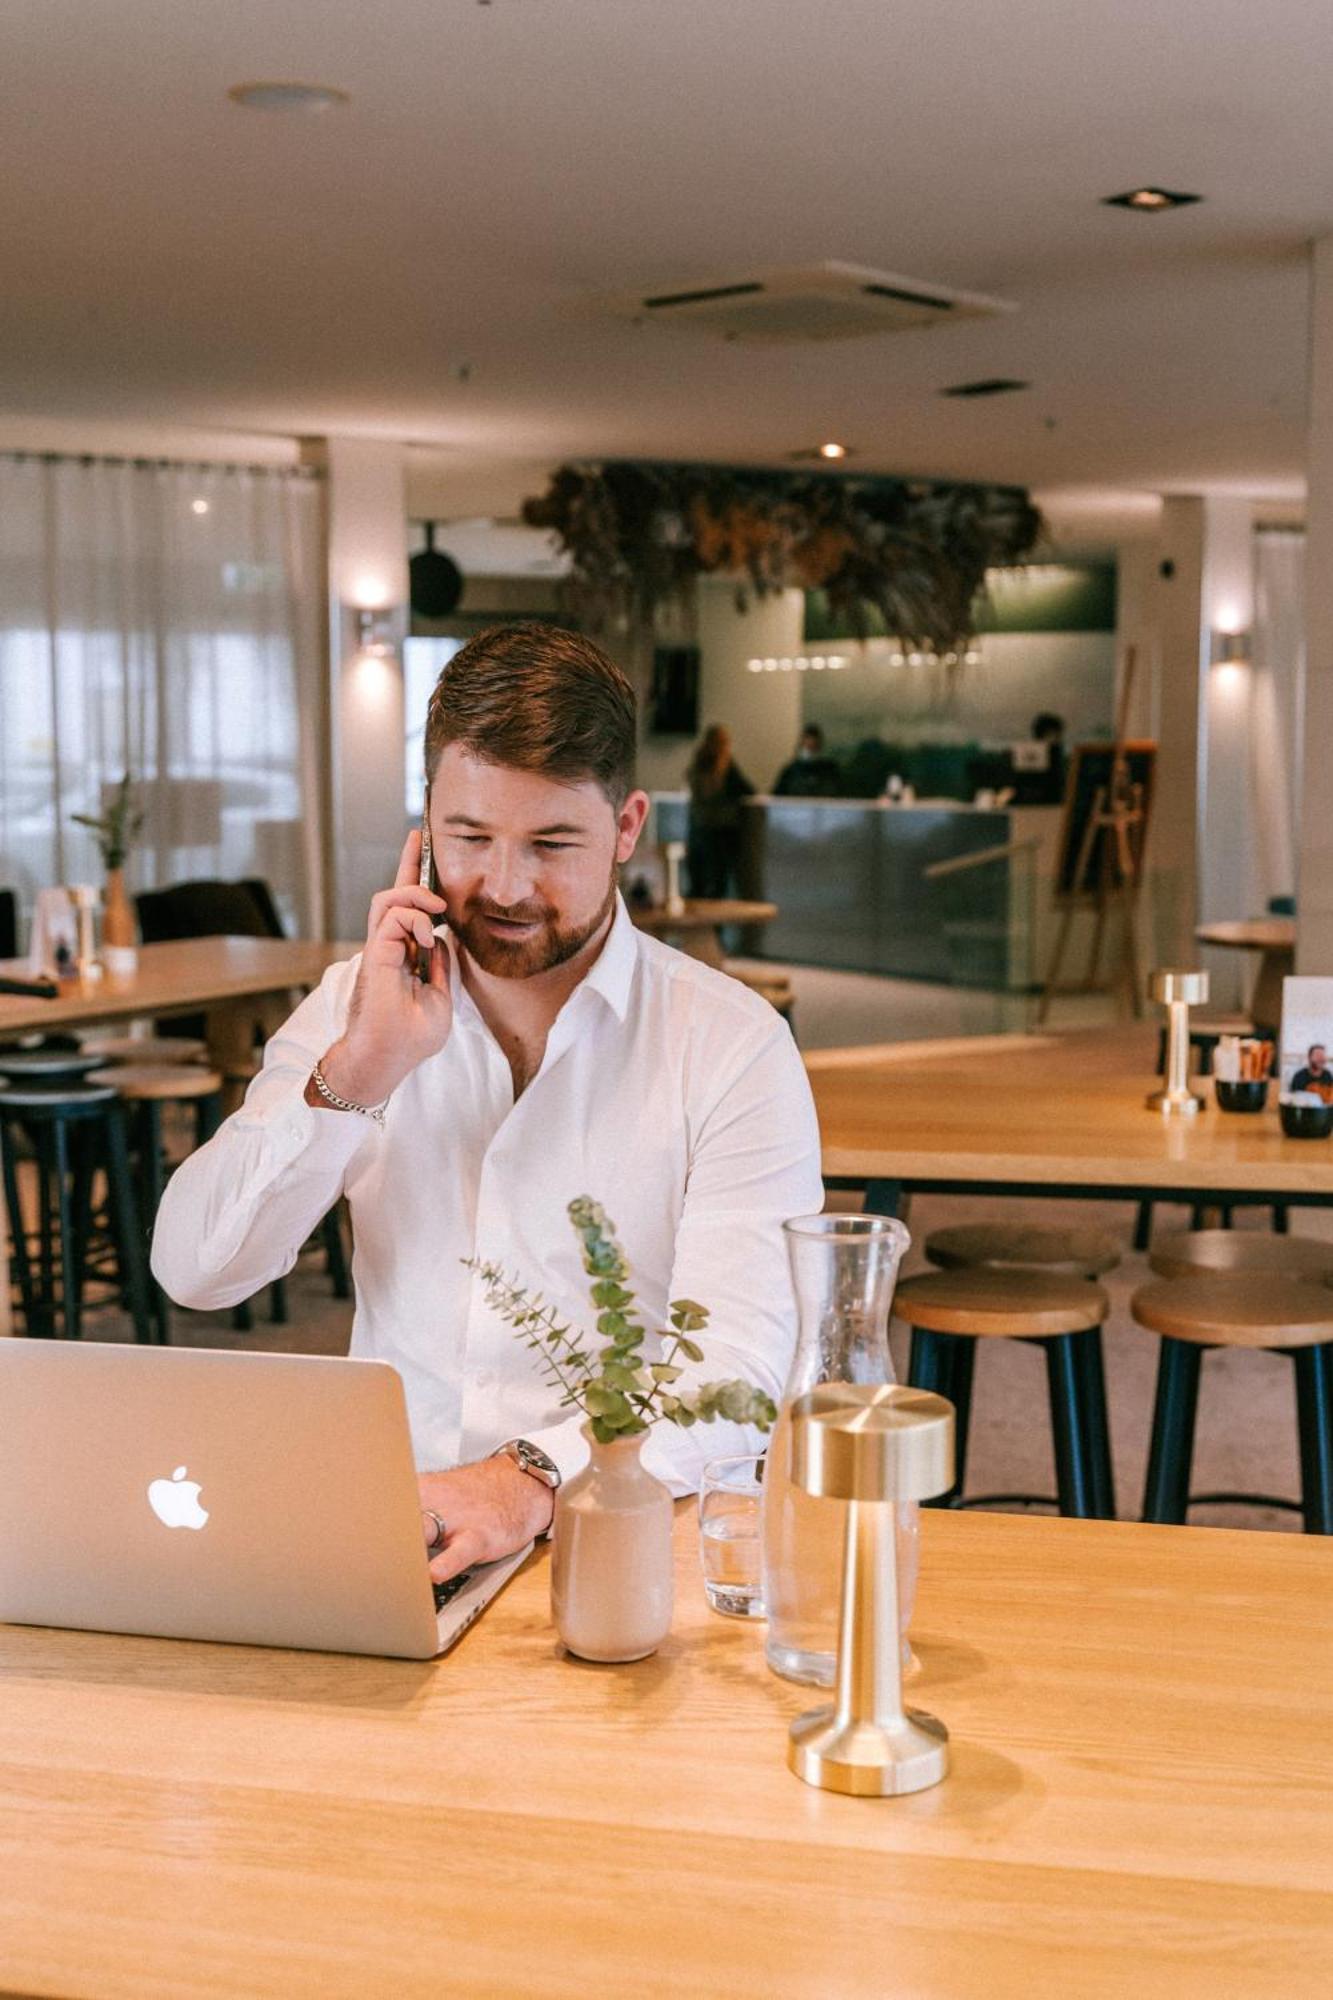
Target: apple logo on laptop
column 175, row 1501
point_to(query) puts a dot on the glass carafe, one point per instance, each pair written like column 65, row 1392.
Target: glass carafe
column 844, row 1268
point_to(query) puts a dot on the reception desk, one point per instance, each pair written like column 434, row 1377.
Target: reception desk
column 858, row 885
column 1141, row 1730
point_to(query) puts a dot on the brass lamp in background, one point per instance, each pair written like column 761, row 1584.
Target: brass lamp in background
column 1177, row 992
column 871, row 1445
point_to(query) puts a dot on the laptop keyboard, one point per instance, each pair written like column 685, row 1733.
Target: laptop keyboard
column 445, row 1592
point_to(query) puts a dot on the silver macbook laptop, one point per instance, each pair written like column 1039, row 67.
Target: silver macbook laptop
column 192, row 1493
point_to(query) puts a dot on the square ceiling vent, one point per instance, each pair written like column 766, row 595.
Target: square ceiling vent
column 805, row 302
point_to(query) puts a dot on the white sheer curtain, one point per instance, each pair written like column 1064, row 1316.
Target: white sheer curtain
column 162, row 619
column 1276, row 705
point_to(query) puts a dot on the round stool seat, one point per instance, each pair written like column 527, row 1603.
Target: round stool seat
column 40, row 1065
column 153, row 1049
column 1024, row 1246
column 1011, row 1305
column 1219, row 1309
column 159, row 1082
column 66, row 1100
column 1180, row 1253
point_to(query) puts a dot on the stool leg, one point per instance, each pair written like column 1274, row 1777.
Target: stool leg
column 1073, row 1472
column 942, row 1363
column 1314, row 1417
column 69, row 1261
column 1281, row 1219
column 152, row 1186
column 46, row 1246
column 1166, row 1494
column 84, row 1164
column 331, row 1230
column 19, row 1238
column 125, row 1222
column 1143, row 1226
column 1096, row 1424
column 277, row 1302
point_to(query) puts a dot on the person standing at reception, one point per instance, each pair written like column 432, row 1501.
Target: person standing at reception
column 718, row 787
column 551, row 1051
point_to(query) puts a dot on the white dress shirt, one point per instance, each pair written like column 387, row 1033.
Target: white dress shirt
column 668, row 1092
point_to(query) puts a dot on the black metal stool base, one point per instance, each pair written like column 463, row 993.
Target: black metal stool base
column 1076, row 1385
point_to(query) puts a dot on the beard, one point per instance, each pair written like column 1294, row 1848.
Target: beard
column 544, row 948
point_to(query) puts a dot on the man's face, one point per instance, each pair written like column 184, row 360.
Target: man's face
column 1318, row 1058
column 527, row 865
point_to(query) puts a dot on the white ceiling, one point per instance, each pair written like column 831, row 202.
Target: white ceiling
column 170, row 259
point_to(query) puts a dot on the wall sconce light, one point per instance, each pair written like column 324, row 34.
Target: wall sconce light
column 1229, row 649
column 374, row 633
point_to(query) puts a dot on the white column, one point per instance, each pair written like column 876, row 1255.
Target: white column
column 1314, row 886
column 1225, row 818
column 367, row 517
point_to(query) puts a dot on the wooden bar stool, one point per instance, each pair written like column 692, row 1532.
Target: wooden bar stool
column 144, row 1088
column 1024, row 1246
column 1179, row 1253
column 949, row 1311
column 148, row 1049
column 72, row 1131
column 1251, row 1309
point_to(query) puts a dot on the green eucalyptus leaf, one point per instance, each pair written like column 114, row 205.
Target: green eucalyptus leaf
column 691, row 1349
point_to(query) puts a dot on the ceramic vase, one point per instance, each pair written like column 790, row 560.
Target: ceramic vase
column 611, row 1564
column 119, row 939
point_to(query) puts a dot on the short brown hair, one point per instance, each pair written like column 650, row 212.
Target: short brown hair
column 537, row 699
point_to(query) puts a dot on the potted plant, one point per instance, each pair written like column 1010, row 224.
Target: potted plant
column 114, row 832
column 611, row 1569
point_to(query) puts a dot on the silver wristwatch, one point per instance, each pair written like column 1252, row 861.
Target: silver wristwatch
column 530, row 1458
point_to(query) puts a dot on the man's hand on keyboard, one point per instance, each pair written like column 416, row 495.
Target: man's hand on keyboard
column 489, row 1509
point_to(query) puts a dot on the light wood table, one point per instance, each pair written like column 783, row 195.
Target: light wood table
column 238, row 983
column 1274, row 938
column 694, row 929
column 1140, row 1801
column 223, row 977
column 1026, row 1114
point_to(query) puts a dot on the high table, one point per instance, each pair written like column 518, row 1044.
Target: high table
column 1140, row 1802
column 1274, row 938
column 694, row 927
column 222, row 976
column 236, row 982
column 1046, row 1114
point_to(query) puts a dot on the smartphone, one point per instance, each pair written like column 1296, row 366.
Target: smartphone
column 426, row 879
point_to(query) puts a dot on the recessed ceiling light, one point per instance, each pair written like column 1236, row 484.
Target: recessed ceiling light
column 1150, row 200
column 198, row 506
column 832, row 450
column 991, row 385
column 305, row 97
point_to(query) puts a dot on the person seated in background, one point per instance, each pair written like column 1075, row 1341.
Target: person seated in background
column 1048, row 728
column 1315, row 1075
column 811, row 774
column 551, row 1051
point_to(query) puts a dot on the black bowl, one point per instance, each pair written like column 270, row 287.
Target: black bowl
column 1306, row 1121
column 1251, row 1096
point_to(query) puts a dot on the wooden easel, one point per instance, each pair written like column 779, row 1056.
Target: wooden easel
column 1108, row 867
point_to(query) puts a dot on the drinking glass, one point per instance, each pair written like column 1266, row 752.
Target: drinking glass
column 729, row 1543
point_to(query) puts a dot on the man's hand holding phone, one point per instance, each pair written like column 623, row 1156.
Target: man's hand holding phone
column 397, row 1017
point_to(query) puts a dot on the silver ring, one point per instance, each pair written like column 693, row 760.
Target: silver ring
column 437, row 1540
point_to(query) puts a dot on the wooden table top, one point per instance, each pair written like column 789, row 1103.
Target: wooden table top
column 1252, row 934
column 1140, row 1800
column 175, row 978
column 1044, row 1110
column 703, row 913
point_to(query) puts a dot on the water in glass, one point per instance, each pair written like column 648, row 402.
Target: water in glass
column 729, row 1544
column 844, row 1268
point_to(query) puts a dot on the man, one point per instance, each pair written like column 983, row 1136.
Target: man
column 1316, row 1075
column 551, row 1051
column 810, row 774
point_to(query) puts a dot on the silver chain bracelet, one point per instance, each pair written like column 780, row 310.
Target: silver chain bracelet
column 375, row 1111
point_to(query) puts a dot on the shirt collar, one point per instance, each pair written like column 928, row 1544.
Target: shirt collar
column 611, row 973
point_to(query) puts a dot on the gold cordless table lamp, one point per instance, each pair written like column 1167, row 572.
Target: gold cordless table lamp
column 870, row 1444
column 1177, row 992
